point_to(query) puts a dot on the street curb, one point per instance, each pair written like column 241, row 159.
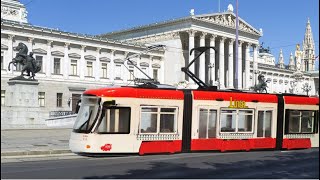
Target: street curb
column 29, row 153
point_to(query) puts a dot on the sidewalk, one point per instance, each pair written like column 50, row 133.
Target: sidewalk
column 34, row 142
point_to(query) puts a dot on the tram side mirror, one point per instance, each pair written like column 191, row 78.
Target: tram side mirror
column 109, row 103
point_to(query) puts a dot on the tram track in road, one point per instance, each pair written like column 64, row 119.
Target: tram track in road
column 174, row 164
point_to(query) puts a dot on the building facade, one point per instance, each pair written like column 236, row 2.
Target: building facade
column 72, row 63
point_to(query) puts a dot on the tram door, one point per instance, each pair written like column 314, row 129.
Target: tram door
column 75, row 98
column 207, row 122
column 264, row 122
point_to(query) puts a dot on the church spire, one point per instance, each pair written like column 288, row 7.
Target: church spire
column 281, row 61
column 308, row 63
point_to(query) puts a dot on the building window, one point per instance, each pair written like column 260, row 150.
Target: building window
column 89, row 69
column 3, row 95
column 104, row 70
column 118, row 71
column 56, row 66
column 236, row 121
column 59, row 99
column 155, row 74
column 74, row 67
column 299, row 122
column 115, row 120
column 39, row 61
column 2, row 63
column 131, row 73
column 145, row 70
column 41, row 99
column 158, row 119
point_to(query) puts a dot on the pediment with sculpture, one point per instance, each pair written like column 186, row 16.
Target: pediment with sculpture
column 229, row 20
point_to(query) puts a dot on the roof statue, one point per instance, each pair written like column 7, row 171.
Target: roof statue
column 192, row 12
column 28, row 62
column 230, row 8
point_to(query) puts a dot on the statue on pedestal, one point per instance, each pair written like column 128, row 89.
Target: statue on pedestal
column 27, row 61
column 261, row 86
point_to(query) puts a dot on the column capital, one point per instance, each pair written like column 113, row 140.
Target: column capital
column 83, row 47
column 255, row 45
column 203, row 34
column 191, row 32
column 98, row 49
column 240, row 42
column 213, row 36
column 222, row 39
column 150, row 57
column 125, row 54
column 30, row 40
column 248, row 44
column 112, row 51
column 49, row 42
column 10, row 36
column 66, row 45
column 231, row 40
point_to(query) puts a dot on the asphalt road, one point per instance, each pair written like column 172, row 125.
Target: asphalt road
column 258, row 164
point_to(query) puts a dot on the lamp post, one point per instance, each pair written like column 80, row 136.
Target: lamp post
column 306, row 88
column 210, row 66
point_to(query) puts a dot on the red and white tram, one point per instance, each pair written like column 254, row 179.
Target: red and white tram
column 155, row 119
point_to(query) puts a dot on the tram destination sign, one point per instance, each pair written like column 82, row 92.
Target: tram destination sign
column 237, row 104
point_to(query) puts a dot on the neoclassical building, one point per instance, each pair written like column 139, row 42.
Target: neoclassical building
column 72, row 62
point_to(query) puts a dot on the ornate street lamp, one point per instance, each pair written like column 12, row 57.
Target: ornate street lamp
column 210, row 66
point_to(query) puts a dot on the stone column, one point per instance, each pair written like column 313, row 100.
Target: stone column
column 239, row 85
column 30, row 41
column 49, row 63
column 66, row 63
column 150, row 67
column 191, row 46
column 202, row 63
column 10, row 53
column 111, row 72
column 212, row 59
column 247, row 65
column 221, row 63
column 82, row 67
column 255, row 63
column 97, row 67
column 230, row 65
column 125, row 72
column 161, row 73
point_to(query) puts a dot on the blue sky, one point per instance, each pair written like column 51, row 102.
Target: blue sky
column 283, row 21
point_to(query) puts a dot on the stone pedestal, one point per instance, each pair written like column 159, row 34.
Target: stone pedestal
column 22, row 108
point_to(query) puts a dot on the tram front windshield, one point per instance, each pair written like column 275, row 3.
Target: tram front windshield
column 87, row 115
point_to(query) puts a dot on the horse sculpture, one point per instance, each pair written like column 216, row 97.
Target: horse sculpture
column 261, row 86
column 27, row 61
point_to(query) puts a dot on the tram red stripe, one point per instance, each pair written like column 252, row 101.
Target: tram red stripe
column 136, row 93
column 247, row 97
column 301, row 100
column 151, row 147
column 232, row 144
column 304, row 143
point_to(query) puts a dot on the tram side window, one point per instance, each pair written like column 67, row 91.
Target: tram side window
column 299, row 122
column 264, row 123
column 236, row 121
column 158, row 120
column 207, row 123
column 115, row 120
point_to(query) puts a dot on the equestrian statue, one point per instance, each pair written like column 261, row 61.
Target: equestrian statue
column 29, row 64
column 261, row 86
